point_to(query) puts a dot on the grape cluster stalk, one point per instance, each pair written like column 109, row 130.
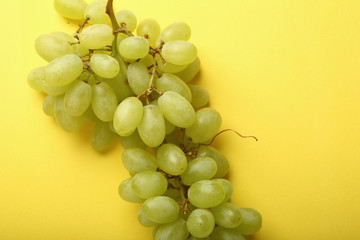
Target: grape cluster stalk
column 135, row 86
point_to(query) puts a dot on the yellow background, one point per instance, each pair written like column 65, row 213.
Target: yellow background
column 286, row 71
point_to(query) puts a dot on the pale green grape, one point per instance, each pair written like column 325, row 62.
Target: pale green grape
column 89, row 115
column 251, row 223
column 195, row 238
column 161, row 209
column 96, row 12
column 171, row 159
column 77, row 98
column 169, row 127
column 128, row 116
column 138, row 77
column 36, row 78
column 118, row 83
column 179, row 52
column 137, row 160
column 127, row 193
column 144, row 220
column 127, row 17
column 134, row 47
column 96, row 36
column 72, row 9
column 176, row 31
column 200, row 97
column 176, row 230
column 221, row 233
column 227, row 215
column 80, row 49
column 48, row 105
column 227, row 186
column 168, row 67
column 152, row 126
column 200, row 223
column 206, row 194
column 177, row 109
column 63, row 70
column 132, row 141
column 104, row 65
column 66, row 122
column 149, row 27
column 221, row 161
column 54, row 45
column 170, row 82
column 201, row 168
column 148, row 60
column 102, row 136
column 147, row 184
column 103, row 101
column 206, row 125
column 55, row 91
column 190, row 71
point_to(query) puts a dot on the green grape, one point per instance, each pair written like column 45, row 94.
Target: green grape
column 80, row 49
column 137, row 160
column 138, row 77
column 200, row 223
column 227, row 215
column 152, row 126
column 143, row 220
column 96, row 12
column 190, row 71
column 168, row 67
column 156, row 228
column 127, row 17
column 179, row 52
column 104, row 65
column 77, row 98
column 127, row 194
column 227, row 186
column 177, row 109
column 66, row 122
column 170, row 82
column 103, row 101
column 54, row 45
column 221, row 161
column 55, row 91
column 173, row 193
column 161, row 209
column 48, row 105
column 149, row 27
column 171, row 159
column 63, row 70
column 206, row 194
column 132, row 141
column 176, row 230
column 147, row 184
column 134, row 47
column 36, row 78
column 195, row 238
column 169, row 127
column 201, row 168
column 176, row 31
column 102, row 136
column 148, row 60
column 89, row 115
column 72, row 9
column 128, row 116
column 206, row 125
column 119, row 85
column 96, row 36
column 221, row 233
column 251, row 223
column 200, row 97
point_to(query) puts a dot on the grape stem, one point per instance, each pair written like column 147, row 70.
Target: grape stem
column 81, row 27
column 110, row 11
column 226, row 130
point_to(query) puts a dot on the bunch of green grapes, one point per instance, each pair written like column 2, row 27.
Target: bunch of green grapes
column 137, row 87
